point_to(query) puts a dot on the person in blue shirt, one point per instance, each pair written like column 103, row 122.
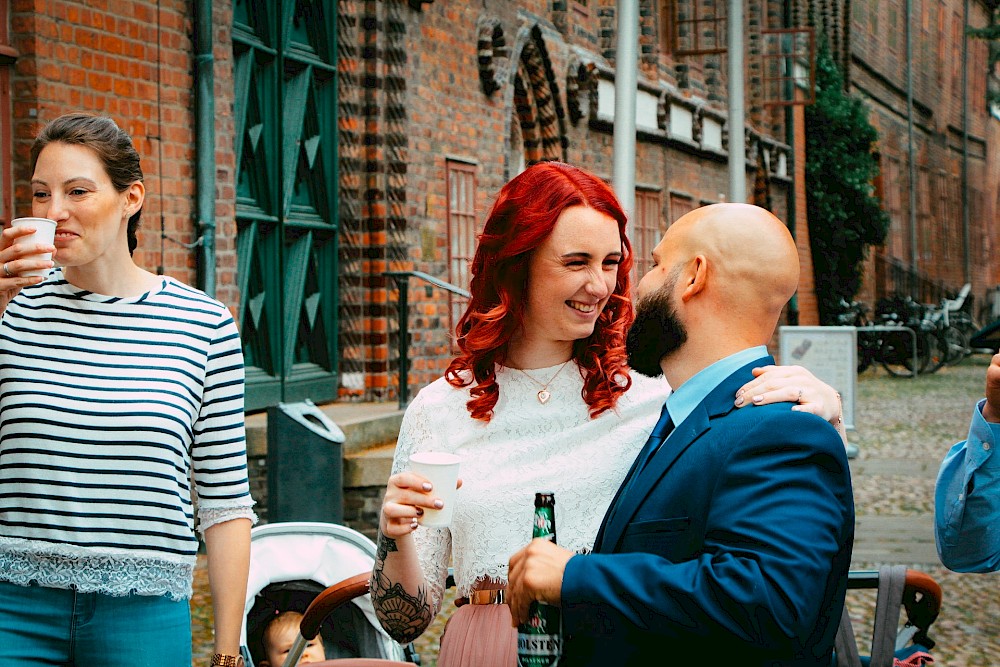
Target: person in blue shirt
column 967, row 494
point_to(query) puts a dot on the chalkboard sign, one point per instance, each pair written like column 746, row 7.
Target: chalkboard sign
column 830, row 353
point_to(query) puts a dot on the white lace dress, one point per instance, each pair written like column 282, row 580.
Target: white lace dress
column 526, row 447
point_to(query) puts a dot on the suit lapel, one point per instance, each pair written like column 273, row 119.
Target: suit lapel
column 640, row 457
column 613, row 507
column 673, row 447
column 719, row 402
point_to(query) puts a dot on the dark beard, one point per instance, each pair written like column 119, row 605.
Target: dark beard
column 655, row 333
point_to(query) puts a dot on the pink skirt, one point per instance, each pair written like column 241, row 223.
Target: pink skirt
column 479, row 635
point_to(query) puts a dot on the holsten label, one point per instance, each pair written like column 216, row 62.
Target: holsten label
column 538, row 650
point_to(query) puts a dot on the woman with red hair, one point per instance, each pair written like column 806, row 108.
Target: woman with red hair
column 539, row 399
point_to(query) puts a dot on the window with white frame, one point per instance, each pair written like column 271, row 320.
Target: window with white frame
column 647, row 229
column 461, row 183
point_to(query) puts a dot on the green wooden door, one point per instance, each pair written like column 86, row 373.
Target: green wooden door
column 285, row 117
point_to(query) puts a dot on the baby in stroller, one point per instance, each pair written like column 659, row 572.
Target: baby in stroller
column 291, row 564
column 278, row 637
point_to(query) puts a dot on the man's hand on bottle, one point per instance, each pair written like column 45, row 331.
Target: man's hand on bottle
column 535, row 575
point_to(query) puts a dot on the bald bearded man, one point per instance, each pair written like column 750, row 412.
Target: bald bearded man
column 730, row 540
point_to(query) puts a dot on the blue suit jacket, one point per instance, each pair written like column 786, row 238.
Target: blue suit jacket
column 733, row 546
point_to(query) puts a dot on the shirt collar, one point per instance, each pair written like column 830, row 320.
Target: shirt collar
column 683, row 401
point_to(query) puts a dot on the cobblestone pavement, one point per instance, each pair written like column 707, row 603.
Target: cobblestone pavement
column 202, row 635
column 903, row 429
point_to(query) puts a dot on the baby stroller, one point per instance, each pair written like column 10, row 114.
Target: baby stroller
column 320, row 570
column 918, row 595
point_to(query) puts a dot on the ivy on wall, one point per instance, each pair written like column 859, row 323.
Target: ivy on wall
column 845, row 215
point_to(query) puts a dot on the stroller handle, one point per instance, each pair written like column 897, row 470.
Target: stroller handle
column 324, row 604
column 330, row 599
column 921, row 599
column 922, row 595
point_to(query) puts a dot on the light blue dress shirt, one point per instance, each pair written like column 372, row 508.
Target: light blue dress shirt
column 686, row 398
column 967, row 500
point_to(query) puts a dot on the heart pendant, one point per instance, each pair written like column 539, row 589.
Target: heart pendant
column 543, row 396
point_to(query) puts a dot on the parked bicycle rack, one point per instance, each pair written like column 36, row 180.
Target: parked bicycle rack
column 889, row 327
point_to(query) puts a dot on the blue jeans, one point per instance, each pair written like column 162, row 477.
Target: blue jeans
column 56, row 626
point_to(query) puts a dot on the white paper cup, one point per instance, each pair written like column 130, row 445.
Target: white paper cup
column 441, row 470
column 45, row 231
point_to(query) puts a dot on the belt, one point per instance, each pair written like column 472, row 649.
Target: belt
column 492, row 596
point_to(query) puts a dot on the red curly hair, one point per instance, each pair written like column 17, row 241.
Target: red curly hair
column 523, row 216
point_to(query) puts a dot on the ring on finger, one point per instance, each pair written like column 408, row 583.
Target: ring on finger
column 7, row 271
column 799, row 399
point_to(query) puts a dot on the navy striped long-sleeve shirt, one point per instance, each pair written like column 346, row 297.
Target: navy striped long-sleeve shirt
column 109, row 407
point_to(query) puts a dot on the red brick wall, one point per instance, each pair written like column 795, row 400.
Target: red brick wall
column 806, row 295
column 879, row 76
column 989, row 220
column 449, row 116
column 102, row 58
column 225, row 157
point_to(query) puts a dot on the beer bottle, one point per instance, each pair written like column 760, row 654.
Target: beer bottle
column 539, row 640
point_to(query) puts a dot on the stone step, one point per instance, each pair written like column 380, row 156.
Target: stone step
column 365, row 426
column 912, row 468
column 895, row 539
column 370, row 467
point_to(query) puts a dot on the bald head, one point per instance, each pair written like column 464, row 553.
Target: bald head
column 722, row 275
column 750, row 249
column 744, row 261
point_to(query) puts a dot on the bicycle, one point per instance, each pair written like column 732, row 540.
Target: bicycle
column 960, row 316
column 951, row 346
column 855, row 314
column 953, row 327
column 895, row 351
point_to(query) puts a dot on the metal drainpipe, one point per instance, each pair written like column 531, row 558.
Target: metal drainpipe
column 966, row 213
column 205, row 144
column 909, row 133
column 737, row 116
column 626, row 82
column 793, row 303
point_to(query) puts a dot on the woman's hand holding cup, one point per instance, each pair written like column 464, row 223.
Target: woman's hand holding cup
column 19, row 258
column 411, row 499
column 26, row 251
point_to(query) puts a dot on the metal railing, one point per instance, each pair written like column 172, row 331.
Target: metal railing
column 402, row 280
column 895, row 277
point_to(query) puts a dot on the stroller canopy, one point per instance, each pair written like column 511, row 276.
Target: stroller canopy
column 316, row 552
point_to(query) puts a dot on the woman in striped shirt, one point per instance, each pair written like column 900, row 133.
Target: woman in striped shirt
column 118, row 388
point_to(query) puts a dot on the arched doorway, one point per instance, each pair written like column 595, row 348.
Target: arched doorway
column 537, row 123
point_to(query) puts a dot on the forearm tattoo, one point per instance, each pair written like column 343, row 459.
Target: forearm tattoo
column 386, row 545
column 402, row 615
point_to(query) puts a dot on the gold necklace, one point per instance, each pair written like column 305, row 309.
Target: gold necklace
column 544, row 394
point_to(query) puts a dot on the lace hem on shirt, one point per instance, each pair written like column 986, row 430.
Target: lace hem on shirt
column 116, row 574
column 210, row 516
